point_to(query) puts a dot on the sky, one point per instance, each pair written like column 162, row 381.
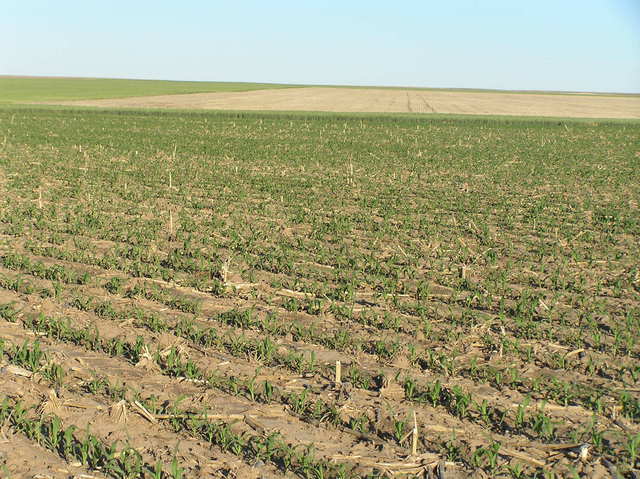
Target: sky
column 568, row 45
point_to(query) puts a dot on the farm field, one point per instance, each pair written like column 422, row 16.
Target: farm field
column 391, row 100
column 180, row 95
column 16, row 89
column 176, row 290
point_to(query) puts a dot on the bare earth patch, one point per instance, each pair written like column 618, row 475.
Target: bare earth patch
column 370, row 100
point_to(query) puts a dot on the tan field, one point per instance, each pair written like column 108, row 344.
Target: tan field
column 371, row 100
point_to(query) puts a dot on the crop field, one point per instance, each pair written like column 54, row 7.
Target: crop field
column 238, row 96
column 188, row 295
column 389, row 100
column 16, row 89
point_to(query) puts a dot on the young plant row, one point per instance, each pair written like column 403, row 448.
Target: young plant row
column 265, row 351
column 622, row 341
column 272, row 447
column 49, row 432
column 455, row 400
column 481, row 413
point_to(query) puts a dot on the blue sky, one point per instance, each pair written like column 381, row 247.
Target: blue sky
column 588, row 45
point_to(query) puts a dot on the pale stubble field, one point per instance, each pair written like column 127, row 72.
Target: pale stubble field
column 377, row 100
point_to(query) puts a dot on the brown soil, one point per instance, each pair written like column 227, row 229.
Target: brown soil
column 369, row 100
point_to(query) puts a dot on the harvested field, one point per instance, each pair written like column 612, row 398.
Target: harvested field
column 391, row 101
column 176, row 292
